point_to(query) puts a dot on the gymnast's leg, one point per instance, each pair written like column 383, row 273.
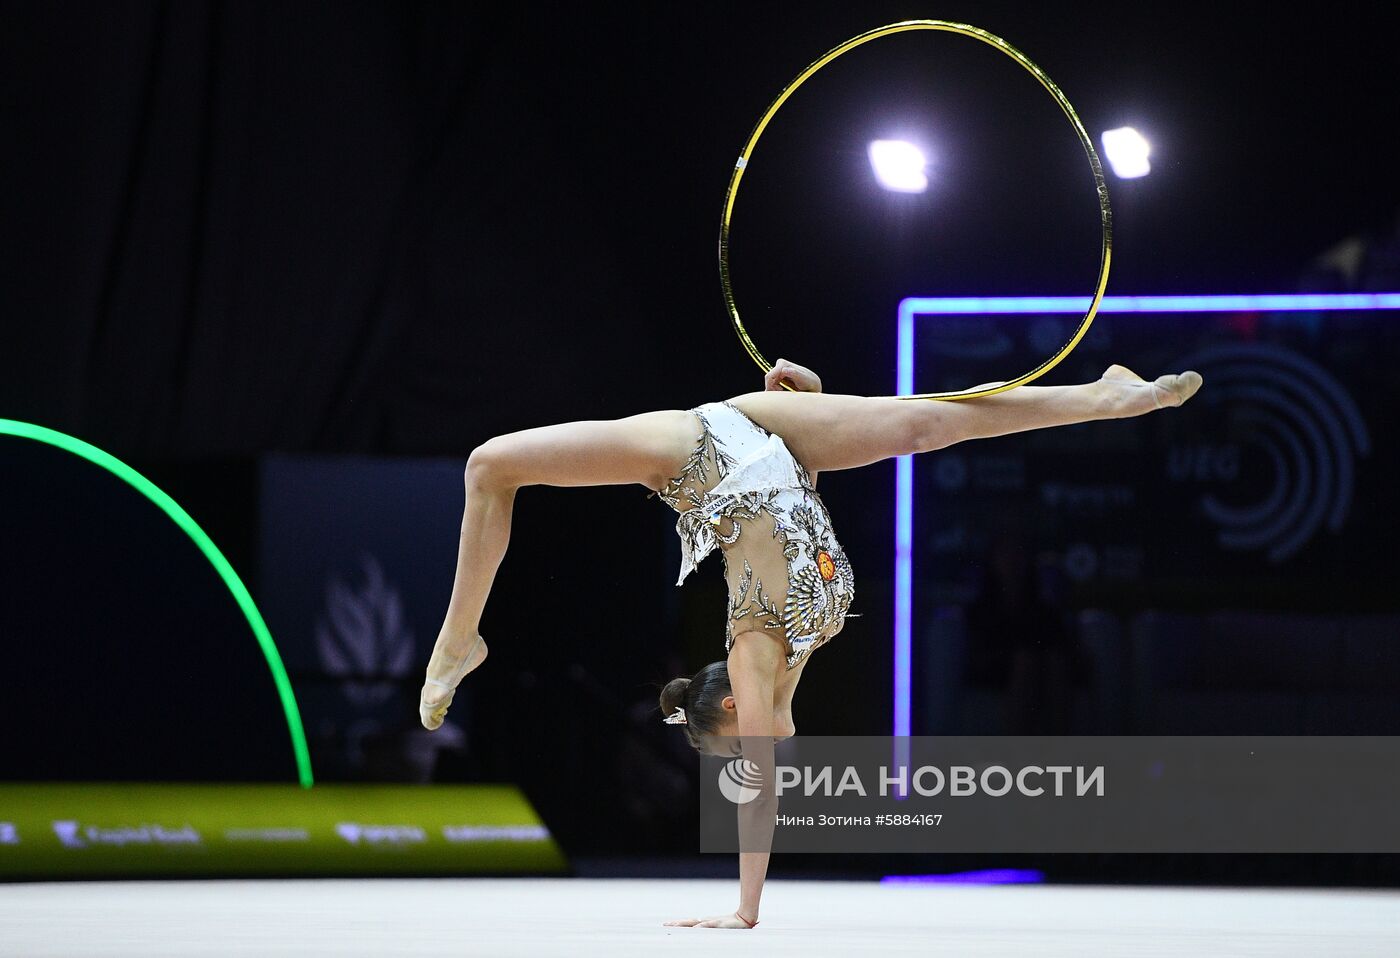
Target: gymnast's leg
column 649, row 449
column 832, row 431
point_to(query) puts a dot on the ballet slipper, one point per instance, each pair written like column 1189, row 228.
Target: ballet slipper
column 1183, row 387
column 432, row 714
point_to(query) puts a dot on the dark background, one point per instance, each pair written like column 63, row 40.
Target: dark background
column 395, row 230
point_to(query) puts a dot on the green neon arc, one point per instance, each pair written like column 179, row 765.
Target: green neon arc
column 171, row 508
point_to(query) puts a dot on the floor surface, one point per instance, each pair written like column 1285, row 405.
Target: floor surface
column 615, row 917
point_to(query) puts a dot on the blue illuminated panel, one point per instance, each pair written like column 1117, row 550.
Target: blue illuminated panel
column 913, row 307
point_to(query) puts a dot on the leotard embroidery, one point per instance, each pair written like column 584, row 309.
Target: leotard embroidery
column 743, row 491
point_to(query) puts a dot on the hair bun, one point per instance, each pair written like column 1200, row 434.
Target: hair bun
column 673, row 695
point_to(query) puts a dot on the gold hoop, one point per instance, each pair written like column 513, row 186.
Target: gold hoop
column 1101, row 187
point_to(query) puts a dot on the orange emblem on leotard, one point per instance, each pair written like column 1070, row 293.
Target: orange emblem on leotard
column 826, row 565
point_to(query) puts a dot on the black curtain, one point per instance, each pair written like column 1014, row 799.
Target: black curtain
column 239, row 227
column 234, row 227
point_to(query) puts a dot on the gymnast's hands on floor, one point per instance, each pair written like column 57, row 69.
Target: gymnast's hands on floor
column 731, row 920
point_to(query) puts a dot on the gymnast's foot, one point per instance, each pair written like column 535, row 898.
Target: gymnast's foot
column 445, row 670
column 1134, row 395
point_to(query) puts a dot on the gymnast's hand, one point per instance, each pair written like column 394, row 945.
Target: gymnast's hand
column 798, row 377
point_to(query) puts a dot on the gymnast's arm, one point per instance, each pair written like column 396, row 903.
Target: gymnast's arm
column 799, row 378
column 754, row 661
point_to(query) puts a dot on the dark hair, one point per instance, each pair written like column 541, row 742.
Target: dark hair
column 700, row 697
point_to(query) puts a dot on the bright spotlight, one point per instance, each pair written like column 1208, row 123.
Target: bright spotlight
column 898, row 165
column 1127, row 152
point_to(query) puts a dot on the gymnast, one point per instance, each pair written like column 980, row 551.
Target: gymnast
column 742, row 475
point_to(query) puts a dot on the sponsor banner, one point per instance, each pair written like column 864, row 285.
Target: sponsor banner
column 86, row 829
column 1238, row 794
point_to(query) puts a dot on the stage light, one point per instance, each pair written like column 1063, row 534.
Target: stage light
column 898, row 165
column 1127, row 152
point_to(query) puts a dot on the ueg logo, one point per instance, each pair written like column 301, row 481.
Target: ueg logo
column 356, row 834
column 1287, row 420
column 73, row 834
column 740, row 781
